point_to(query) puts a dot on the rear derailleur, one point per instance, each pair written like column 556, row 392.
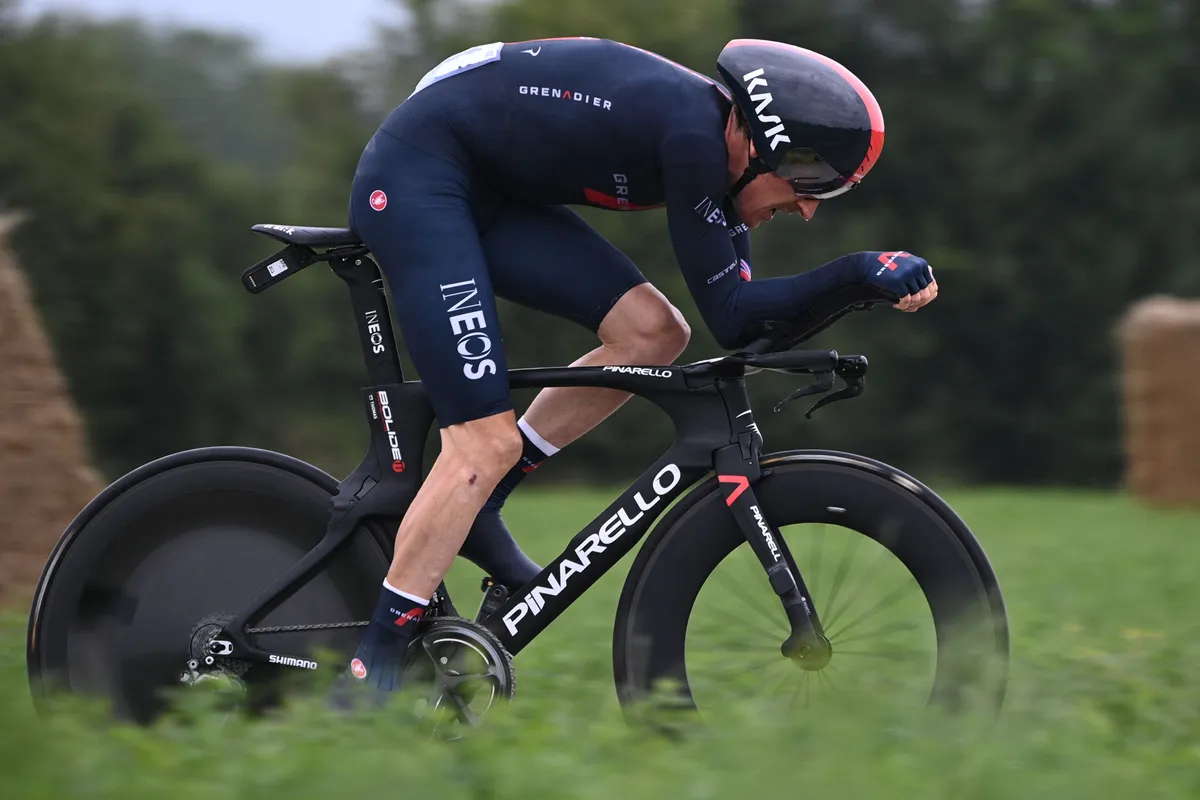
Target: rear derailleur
column 206, row 667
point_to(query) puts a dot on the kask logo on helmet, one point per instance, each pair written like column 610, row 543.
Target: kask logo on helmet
column 764, row 99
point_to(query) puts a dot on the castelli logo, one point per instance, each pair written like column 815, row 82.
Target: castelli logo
column 378, row 200
column 358, row 669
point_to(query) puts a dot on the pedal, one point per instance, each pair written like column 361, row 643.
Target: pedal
column 494, row 596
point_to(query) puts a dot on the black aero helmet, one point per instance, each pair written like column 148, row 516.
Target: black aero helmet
column 812, row 121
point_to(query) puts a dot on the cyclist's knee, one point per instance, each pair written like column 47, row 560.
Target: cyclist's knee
column 645, row 325
column 673, row 333
column 483, row 450
column 661, row 332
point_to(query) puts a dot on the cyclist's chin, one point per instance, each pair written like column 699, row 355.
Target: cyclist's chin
column 805, row 207
column 763, row 215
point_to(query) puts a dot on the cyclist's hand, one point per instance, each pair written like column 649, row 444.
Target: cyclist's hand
column 911, row 302
column 902, row 274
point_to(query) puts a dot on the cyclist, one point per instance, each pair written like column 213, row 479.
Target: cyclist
column 462, row 195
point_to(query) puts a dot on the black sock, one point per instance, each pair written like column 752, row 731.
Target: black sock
column 379, row 660
column 532, row 454
column 491, row 547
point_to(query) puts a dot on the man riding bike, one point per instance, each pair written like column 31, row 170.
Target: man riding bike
column 462, row 196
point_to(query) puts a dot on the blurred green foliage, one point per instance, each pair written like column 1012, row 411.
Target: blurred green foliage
column 1103, row 700
column 1040, row 154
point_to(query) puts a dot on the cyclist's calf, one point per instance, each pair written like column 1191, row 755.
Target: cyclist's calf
column 475, row 455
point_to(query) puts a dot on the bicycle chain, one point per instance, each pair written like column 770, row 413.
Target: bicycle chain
column 435, row 606
column 322, row 626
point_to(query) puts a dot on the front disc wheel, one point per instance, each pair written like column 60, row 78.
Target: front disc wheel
column 909, row 603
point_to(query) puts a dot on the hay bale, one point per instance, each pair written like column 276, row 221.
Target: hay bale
column 45, row 477
column 1160, row 344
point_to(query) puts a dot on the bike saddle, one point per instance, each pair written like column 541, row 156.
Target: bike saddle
column 309, row 237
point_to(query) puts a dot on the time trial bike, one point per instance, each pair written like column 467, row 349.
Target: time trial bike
column 245, row 564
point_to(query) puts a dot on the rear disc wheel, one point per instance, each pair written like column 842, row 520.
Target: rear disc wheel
column 119, row 604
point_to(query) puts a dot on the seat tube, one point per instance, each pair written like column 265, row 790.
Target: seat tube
column 373, row 321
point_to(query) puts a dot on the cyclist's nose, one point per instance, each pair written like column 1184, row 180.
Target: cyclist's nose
column 807, row 206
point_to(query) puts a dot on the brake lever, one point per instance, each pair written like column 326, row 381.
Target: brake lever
column 854, row 387
column 823, row 384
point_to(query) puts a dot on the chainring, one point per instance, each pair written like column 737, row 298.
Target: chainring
column 465, row 667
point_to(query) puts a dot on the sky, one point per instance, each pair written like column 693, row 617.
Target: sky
column 285, row 30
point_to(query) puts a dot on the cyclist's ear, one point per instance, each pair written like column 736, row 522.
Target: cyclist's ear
column 735, row 128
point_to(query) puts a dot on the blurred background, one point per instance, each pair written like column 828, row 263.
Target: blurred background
column 1040, row 154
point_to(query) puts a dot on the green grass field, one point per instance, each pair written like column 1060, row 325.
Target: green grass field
column 1104, row 698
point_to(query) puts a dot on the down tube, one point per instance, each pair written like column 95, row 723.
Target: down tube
column 592, row 552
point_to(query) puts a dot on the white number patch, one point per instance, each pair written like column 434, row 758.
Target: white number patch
column 461, row 62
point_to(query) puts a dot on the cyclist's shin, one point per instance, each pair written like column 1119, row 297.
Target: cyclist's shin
column 534, row 450
column 491, row 547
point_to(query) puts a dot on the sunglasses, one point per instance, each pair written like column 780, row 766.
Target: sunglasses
column 812, row 176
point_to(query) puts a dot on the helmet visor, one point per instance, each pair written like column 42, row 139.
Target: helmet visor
column 810, row 175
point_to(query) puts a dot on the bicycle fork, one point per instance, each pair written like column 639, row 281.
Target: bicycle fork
column 737, row 469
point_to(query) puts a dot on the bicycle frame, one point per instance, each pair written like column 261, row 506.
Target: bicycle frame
column 715, row 432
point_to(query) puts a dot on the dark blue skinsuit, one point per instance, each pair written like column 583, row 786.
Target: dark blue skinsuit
column 462, row 195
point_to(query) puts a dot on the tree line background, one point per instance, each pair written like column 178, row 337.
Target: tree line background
column 1041, row 154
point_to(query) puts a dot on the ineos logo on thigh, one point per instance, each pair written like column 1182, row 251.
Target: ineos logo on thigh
column 473, row 344
column 476, row 340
